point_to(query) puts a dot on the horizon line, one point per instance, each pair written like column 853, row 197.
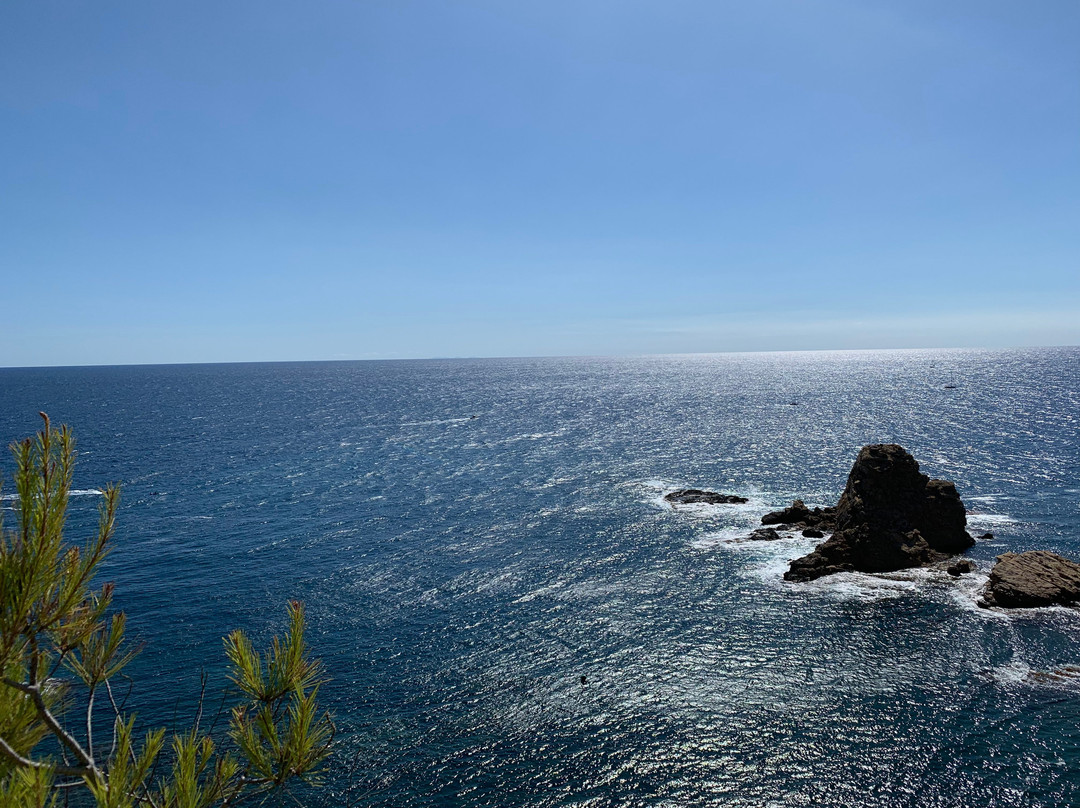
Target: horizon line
column 534, row 356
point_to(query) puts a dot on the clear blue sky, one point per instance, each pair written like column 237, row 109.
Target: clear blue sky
column 262, row 180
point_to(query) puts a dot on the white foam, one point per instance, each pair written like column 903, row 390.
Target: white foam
column 990, row 519
column 729, row 535
column 543, row 590
column 872, row 587
column 739, row 537
column 778, row 557
column 75, row 492
column 967, row 591
column 1011, row 673
column 436, row 421
column 1015, row 673
column 749, row 511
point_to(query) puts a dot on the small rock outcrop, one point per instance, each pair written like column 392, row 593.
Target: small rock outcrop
column 798, row 515
column 961, row 567
column 694, row 496
column 1034, row 578
column 765, row 534
column 890, row 517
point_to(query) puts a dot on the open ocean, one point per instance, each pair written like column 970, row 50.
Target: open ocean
column 471, row 537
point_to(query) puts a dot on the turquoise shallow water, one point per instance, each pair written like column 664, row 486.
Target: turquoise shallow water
column 473, row 537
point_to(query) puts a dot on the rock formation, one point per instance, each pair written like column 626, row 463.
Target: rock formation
column 889, row 517
column 960, row 567
column 1034, row 578
column 694, row 496
column 765, row 534
column 798, row 515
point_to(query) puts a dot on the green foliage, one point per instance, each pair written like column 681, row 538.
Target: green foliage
column 281, row 735
column 53, row 618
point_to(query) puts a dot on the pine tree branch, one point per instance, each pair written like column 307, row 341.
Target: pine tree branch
column 90, row 724
column 34, row 692
column 19, row 760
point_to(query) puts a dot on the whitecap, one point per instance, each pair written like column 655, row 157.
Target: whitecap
column 1015, row 672
column 1011, row 673
column 436, row 421
column 967, row 591
column 989, row 519
column 739, row 537
column 728, row 535
column 540, row 592
column 75, row 492
column 871, row 587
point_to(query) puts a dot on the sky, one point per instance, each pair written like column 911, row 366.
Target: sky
column 256, row 180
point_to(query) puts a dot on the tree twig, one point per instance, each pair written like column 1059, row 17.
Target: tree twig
column 34, row 691
column 67, row 771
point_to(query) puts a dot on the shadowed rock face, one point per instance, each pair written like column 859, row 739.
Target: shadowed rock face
column 1034, row 578
column 890, row 516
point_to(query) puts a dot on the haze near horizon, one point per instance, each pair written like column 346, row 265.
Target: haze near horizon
column 255, row 181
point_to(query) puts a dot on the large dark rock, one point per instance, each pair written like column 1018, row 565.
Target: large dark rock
column 694, row 496
column 1034, row 578
column 889, row 517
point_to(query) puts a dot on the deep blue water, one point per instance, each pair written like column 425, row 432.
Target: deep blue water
column 462, row 573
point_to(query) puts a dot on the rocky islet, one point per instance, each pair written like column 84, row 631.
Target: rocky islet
column 890, row 517
column 1032, row 579
column 695, row 496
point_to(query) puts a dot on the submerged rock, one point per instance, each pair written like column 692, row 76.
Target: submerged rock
column 1034, row 578
column 889, row 517
column 1066, row 673
column 694, row 496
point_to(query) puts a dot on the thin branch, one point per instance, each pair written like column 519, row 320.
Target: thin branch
column 67, row 771
column 56, row 665
column 116, row 719
column 90, row 723
column 146, row 796
column 202, row 695
column 219, row 713
column 54, row 726
column 69, row 784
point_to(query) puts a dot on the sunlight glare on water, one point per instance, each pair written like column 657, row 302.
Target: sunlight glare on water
column 473, row 537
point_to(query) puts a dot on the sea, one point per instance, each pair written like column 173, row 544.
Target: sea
column 509, row 612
